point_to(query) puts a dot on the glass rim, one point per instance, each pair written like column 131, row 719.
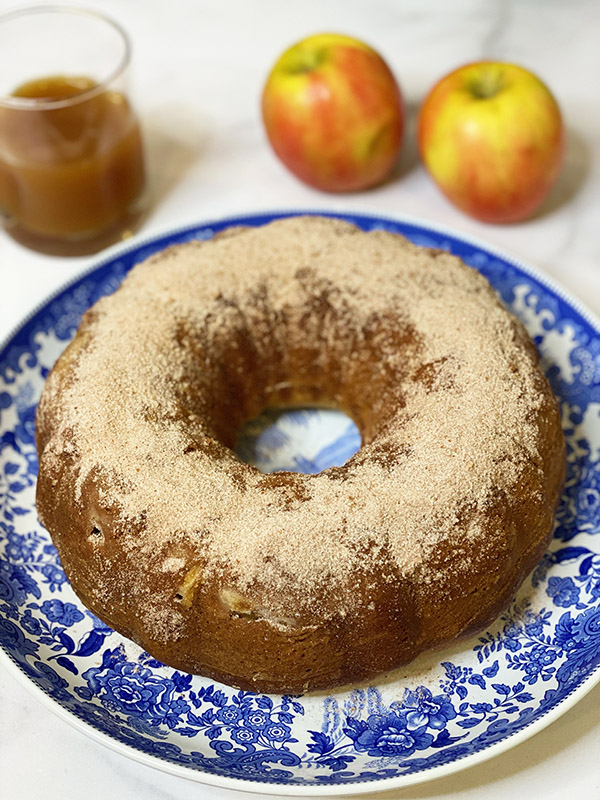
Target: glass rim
column 36, row 104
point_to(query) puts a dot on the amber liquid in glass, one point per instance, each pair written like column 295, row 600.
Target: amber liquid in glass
column 70, row 175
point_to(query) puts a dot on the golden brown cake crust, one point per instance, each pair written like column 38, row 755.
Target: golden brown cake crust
column 287, row 582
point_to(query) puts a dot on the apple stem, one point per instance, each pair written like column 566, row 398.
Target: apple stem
column 486, row 85
column 305, row 61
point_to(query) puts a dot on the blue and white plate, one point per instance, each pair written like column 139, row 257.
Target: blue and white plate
column 446, row 711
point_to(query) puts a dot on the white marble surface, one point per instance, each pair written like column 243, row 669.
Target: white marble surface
column 198, row 73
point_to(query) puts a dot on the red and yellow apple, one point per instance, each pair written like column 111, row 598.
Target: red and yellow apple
column 333, row 113
column 492, row 137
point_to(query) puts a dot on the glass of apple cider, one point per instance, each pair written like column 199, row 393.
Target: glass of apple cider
column 71, row 154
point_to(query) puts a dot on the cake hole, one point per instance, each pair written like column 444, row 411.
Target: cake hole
column 96, row 536
column 306, row 440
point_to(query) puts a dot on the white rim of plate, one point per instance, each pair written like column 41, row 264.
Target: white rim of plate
column 258, row 787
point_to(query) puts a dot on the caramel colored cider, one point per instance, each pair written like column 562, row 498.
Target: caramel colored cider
column 69, row 170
